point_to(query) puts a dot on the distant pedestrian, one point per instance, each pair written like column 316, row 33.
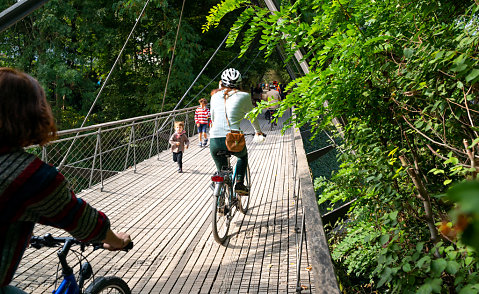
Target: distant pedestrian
column 272, row 97
column 257, row 92
column 179, row 141
column 202, row 120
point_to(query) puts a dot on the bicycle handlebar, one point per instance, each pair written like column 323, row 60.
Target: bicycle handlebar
column 49, row 241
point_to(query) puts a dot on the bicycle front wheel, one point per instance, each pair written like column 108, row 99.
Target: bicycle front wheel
column 108, row 285
column 220, row 212
column 243, row 200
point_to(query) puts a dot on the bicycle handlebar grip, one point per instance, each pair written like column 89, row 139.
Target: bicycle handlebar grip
column 128, row 247
column 100, row 246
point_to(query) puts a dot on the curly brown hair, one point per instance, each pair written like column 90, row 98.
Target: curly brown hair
column 25, row 115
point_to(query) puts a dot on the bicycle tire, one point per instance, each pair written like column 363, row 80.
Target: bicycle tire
column 243, row 201
column 219, row 214
column 108, row 285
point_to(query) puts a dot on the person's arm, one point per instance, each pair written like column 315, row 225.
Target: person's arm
column 186, row 141
column 212, row 115
column 247, row 107
column 172, row 141
column 196, row 117
column 116, row 241
column 54, row 204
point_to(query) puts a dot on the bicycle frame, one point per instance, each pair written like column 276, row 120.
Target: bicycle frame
column 228, row 180
column 69, row 284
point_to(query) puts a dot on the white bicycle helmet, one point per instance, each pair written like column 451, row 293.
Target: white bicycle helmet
column 231, row 78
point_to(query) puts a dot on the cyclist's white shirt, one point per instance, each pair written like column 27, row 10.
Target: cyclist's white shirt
column 237, row 105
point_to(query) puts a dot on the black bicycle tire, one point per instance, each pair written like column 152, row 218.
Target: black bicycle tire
column 103, row 283
column 214, row 218
column 243, row 201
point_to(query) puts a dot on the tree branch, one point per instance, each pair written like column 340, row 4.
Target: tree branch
column 468, row 112
column 435, row 142
column 470, row 154
column 443, row 157
column 423, row 195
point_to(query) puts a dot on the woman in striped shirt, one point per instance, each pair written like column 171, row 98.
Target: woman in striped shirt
column 31, row 191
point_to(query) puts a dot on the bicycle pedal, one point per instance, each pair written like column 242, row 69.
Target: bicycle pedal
column 235, row 201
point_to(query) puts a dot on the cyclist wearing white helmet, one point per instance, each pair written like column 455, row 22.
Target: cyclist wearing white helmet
column 237, row 103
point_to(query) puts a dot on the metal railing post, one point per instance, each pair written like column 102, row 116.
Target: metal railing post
column 134, row 148
column 158, row 142
column 153, row 137
column 299, row 253
column 187, row 127
column 94, row 157
column 44, row 153
column 129, row 145
column 101, row 160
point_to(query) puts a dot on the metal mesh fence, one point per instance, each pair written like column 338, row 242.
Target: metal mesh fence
column 103, row 150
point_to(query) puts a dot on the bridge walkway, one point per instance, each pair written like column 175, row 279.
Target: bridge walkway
column 168, row 216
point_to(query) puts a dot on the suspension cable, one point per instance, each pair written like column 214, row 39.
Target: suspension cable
column 197, row 77
column 103, row 86
column 212, row 80
column 172, row 56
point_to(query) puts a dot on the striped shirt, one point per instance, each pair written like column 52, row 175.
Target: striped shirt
column 202, row 115
column 32, row 191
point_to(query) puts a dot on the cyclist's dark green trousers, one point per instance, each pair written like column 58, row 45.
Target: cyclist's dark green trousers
column 218, row 144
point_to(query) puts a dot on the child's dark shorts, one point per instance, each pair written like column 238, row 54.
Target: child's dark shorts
column 178, row 157
column 202, row 128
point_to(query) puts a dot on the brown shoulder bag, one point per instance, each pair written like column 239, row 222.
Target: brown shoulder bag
column 234, row 139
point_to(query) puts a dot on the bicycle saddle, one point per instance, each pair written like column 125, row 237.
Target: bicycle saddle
column 224, row 152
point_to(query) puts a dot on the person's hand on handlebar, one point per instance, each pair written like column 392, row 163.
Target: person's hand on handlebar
column 116, row 241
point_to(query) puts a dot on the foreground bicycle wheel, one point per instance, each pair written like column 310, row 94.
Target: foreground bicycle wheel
column 243, row 201
column 220, row 213
column 105, row 285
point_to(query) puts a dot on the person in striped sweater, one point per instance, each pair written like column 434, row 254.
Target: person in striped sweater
column 32, row 191
column 202, row 120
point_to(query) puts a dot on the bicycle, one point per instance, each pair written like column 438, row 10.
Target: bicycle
column 69, row 284
column 269, row 117
column 225, row 200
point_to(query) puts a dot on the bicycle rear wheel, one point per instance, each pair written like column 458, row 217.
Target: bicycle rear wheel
column 220, row 212
column 243, row 200
column 103, row 285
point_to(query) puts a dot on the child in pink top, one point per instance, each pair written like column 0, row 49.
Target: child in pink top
column 179, row 141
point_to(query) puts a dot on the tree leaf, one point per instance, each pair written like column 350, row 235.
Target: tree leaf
column 472, row 75
column 406, row 267
column 452, row 267
column 384, row 239
column 438, row 266
column 408, row 52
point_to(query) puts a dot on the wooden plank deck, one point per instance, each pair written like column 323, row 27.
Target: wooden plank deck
column 168, row 217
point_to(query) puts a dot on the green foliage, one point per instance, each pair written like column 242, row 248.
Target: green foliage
column 403, row 77
column 466, row 197
column 70, row 47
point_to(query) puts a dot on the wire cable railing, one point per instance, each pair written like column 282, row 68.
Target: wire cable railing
column 322, row 269
column 103, row 150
